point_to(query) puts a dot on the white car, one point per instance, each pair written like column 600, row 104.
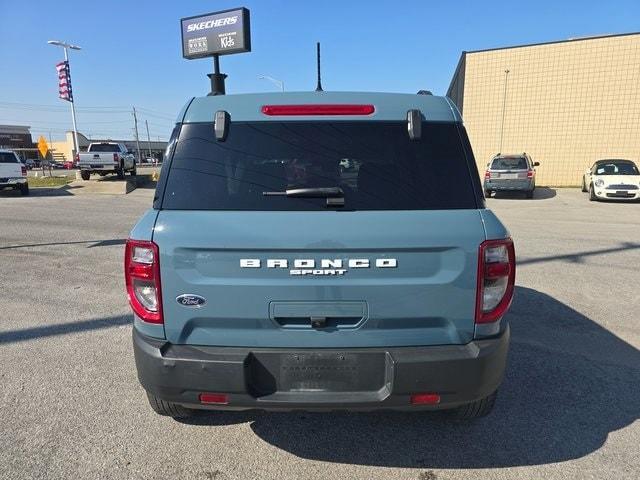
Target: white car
column 612, row 180
column 13, row 173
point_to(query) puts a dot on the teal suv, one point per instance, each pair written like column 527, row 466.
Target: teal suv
column 320, row 251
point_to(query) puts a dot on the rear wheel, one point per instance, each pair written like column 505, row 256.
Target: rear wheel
column 167, row 409
column 487, row 193
column 584, row 186
column 529, row 193
column 24, row 189
column 120, row 172
column 473, row 410
column 592, row 194
column 85, row 174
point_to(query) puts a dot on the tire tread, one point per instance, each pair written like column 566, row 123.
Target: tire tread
column 167, row 409
column 477, row 409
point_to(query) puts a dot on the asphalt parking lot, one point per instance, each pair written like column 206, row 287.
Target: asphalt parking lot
column 71, row 406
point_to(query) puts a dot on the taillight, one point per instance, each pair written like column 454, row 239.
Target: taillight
column 142, row 277
column 496, row 279
column 328, row 109
column 115, row 158
column 487, row 174
column 530, row 173
column 24, row 171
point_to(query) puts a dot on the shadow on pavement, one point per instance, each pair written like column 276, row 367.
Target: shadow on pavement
column 63, row 191
column 94, row 243
column 569, row 384
column 540, row 193
column 22, row 335
column 580, row 257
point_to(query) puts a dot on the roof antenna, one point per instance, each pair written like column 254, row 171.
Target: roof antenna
column 319, row 85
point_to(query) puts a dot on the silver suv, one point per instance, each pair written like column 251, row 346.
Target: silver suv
column 510, row 173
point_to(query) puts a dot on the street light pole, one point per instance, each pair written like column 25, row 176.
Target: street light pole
column 275, row 81
column 504, row 107
column 148, row 138
column 65, row 46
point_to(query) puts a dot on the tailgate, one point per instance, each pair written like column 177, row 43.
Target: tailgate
column 319, row 279
column 10, row 170
column 96, row 158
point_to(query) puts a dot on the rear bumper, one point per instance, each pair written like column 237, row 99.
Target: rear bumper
column 509, row 185
column 12, row 182
column 286, row 379
column 97, row 167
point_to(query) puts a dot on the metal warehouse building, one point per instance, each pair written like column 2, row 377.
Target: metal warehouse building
column 565, row 103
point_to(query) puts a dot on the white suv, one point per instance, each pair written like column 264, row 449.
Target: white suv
column 13, row 173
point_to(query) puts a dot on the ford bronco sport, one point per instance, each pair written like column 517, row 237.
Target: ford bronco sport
column 268, row 275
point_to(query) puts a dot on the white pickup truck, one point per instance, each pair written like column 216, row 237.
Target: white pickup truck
column 13, row 173
column 104, row 158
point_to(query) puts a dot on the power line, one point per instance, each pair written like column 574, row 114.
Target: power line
column 87, row 109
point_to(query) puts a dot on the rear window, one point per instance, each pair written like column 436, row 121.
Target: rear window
column 7, row 157
column 375, row 164
column 104, row 147
column 509, row 163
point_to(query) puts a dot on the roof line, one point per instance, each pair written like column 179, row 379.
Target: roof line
column 579, row 39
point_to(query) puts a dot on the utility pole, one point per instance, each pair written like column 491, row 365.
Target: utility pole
column 504, row 107
column 148, row 138
column 135, row 121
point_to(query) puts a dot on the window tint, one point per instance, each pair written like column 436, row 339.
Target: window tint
column 104, row 147
column 8, row 157
column 375, row 164
column 509, row 163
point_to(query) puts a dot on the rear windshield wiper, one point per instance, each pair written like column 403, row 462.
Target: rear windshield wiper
column 334, row 195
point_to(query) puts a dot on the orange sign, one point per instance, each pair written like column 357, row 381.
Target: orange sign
column 43, row 148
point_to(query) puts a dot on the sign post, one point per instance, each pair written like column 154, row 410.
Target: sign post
column 214, row 34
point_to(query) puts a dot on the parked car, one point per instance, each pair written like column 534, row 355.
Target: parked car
column 30, row 163
column 104, row 158
column 68, row 164
column 285, row 288
column 13, row 173
column 613, row 179
column 511, row 173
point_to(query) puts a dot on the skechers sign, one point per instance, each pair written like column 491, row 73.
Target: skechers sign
column 217, row 33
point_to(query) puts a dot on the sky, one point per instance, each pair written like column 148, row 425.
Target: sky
column 131, row 53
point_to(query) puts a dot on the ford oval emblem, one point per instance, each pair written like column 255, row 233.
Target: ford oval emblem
column 190, row 300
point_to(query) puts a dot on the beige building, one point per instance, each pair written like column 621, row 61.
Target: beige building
column 565, row 103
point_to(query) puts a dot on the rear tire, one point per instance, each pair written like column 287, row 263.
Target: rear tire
column 529, row 194
column 168, row 409
column 473, row 410
column 85, row 175
column 24, row 189
column 120, row 172
column 584, row 186
column 487, row 193
column 592, row 194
